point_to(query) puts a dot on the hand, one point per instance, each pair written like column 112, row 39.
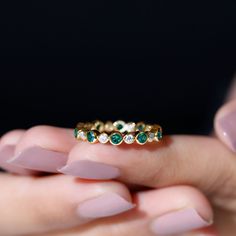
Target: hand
column 52, row 203
column 196, row 161
column 31, row 205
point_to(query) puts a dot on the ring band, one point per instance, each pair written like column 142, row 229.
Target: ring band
column 118, row 132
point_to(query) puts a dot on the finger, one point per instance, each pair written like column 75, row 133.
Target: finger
column 7, row 148
column 11, row 137
column 43, row 148
column 37, row 205
column 192, row 160
column 157, row 212
column 225, row 124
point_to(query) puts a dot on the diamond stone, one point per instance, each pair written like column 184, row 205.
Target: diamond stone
column 82, row 135
column 129, row 138
column 151, row 136
column 130, row 127
column 103, row 138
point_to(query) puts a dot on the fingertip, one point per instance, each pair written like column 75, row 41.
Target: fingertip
column 68, row 201
column 185, row 197
column 48, row 137
column 225, row 124
column 43, row 148
column 11, row 137
column 188, row 210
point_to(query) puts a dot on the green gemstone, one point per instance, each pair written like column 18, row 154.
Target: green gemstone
column 91, row 136
column 76, row 131
column 159, row 135
column 119, row 126
column 142, row 138
column 141, row 127
column 116, row 138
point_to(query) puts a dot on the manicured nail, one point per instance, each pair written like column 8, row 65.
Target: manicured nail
column 178, row 222
column 228, row 127
column 108, row 204
column 6, row 153
column 90, row 170
column 40, row 159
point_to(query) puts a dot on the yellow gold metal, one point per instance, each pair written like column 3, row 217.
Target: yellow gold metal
column 118, row 132
column 136, row 138
column 82, row 134
column 111, row 136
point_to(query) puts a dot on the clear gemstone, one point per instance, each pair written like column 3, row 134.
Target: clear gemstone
column 130, row 127
column 129, row 138
column 103, row 138
column 151, row 136
column 82, row 135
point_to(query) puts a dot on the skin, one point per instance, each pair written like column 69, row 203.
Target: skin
column 199, row 171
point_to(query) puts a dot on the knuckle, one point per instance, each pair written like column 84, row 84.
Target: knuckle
column 36, row 129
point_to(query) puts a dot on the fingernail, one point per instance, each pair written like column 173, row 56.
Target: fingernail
column 6, row 153
column 108, row 204
column 178, row 222
column 90, row 170
column 228, row 127
column 40, row 159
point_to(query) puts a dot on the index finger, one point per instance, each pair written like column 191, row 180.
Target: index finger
column 195, row 160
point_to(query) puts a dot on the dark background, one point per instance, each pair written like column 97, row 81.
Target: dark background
column 164, row 61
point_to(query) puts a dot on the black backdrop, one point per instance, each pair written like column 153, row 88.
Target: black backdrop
column 165, row 61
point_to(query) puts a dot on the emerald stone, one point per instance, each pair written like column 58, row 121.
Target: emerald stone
column 116, row 138
column 76, row 131
column 119, row 126
column 142, row 138
column 91, row 136
column 159, row 135
column 141, row 127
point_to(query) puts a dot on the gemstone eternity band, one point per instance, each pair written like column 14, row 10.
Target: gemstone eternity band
column 118, row 132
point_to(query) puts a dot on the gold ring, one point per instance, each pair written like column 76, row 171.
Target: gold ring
column 118, row 132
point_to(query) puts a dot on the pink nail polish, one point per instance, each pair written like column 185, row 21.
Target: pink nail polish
column 6, row 153
column 178, row 222
column 108, row 204
column 90, row 170
column 40, row 159
column 228, row 127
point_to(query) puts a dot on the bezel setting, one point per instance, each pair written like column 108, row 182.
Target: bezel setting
column 118, row 132
column 129, row 138
column 116, row 138
column 141, row 138
column 103, row 137
column 92, row 136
